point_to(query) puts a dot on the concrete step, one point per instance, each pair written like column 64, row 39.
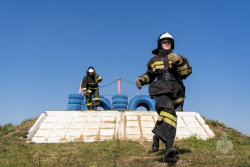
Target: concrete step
column 90, row 126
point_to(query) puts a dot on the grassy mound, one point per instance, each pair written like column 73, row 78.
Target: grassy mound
column 227, row 148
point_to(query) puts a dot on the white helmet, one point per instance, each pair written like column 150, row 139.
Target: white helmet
column 91, row 69
column 166, row 36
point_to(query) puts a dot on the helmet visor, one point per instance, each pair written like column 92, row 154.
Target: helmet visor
column 166, row 41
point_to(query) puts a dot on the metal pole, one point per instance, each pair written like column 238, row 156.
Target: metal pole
column 119, row 85
column 80, row 90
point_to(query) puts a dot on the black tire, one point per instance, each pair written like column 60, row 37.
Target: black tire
column 139, row 96
column 120, row 109
column 120, row 106
column 146, row 102
column 75, row 101
column 117, row 96
column 105, row 103
column 76, row 96
column 120, row 101
column 74, row 107
column 84, row 106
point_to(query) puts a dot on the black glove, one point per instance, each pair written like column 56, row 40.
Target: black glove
column 85, row 93
column 140, row 81
column 98, row 78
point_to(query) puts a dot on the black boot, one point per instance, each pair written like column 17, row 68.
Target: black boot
column 171, row 151
column 155, row 146
column 89, row 107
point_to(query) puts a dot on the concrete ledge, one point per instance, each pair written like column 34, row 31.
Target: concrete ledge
column 37, row 124
column 90, row 126
column 205, row 126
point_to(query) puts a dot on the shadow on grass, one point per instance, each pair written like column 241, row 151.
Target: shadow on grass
column 171, row 161
column 183, row 151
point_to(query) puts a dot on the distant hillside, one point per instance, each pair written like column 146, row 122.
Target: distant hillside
column 228, row 148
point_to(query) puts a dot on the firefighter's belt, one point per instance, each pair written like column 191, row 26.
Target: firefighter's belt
column 168, row 77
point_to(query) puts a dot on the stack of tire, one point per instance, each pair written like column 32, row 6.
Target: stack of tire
column 105, row 103
column 75, row 101
column 84, row 106
column 142, row 101
column 120, row 102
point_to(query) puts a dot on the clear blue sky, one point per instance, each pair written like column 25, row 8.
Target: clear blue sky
column 46, row 47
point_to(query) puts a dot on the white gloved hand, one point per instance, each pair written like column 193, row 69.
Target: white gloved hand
column 175, row 58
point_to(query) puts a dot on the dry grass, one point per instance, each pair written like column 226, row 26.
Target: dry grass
column 14, row 151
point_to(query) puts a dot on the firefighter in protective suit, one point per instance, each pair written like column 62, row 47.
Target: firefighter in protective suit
column 168, row 90
column 90, row 87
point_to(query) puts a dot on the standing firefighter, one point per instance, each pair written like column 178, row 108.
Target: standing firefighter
column 90, row 87
column 168, row 90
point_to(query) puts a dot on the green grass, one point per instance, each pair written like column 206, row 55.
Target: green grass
column 14, row 151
